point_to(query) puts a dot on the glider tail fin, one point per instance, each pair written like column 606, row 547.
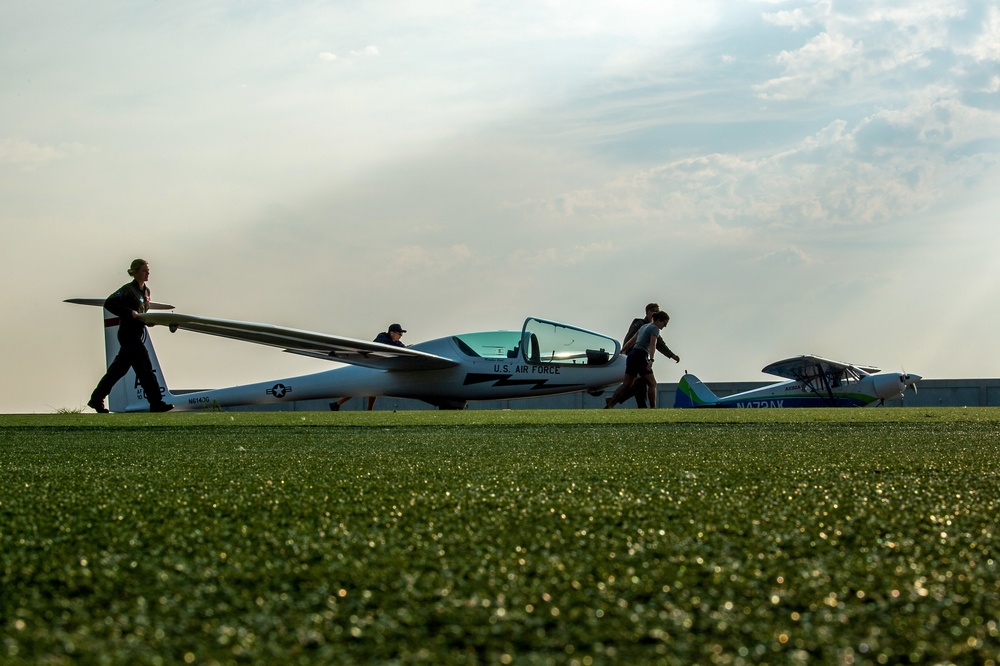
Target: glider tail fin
column 691, row 392
column 127, row 395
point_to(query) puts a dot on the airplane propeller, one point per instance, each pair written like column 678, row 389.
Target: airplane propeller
column 908, row 381
column 893, row 386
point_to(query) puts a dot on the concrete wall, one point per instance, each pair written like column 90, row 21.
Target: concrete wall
column 932, row 393
column 955, row 393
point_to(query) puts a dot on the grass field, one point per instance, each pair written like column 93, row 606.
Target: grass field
column 626, row 536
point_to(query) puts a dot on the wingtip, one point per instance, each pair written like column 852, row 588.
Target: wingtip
column 85, row 301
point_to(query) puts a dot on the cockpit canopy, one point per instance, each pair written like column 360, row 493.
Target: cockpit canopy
column 541, row 341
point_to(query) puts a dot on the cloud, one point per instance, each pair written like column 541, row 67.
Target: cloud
column 367, row 52
column 562, row 256
column 787, row 257
column 29, row 155
column 883, row 168
column 881, row 46
column 796, row 19
column 823, row 62
column 370, row 51
column 986, row 47
column 428, row 260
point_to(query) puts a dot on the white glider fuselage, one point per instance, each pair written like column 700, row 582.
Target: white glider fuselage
column 474, row 378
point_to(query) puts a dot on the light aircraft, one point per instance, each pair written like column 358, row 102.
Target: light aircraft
column 543, row 358
column 812, row 381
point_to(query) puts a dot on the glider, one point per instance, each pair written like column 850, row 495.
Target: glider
column 543, row 358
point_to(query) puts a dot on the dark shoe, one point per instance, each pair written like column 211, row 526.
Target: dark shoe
column 160, row 407
column 98, row 406
column 334, row 407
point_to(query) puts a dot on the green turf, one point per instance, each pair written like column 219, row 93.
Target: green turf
column 625, row 536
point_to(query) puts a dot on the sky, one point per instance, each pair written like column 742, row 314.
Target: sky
column 783, row 178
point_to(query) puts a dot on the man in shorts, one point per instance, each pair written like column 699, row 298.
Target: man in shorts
column 639, row 390
column 639, row 362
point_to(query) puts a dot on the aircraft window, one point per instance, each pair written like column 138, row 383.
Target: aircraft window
column 466, row 349
column 550, row 342
column 838, row 377
column 493, row 344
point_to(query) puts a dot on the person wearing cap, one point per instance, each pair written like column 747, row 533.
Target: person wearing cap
column 390, row 336
column 127, row 304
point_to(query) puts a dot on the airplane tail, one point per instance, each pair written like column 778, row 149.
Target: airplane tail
column 127, row 395
column 691, row 392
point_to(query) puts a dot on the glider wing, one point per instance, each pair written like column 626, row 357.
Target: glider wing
column 307, row 343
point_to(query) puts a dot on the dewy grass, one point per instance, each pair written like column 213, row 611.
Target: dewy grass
column 524, row 537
